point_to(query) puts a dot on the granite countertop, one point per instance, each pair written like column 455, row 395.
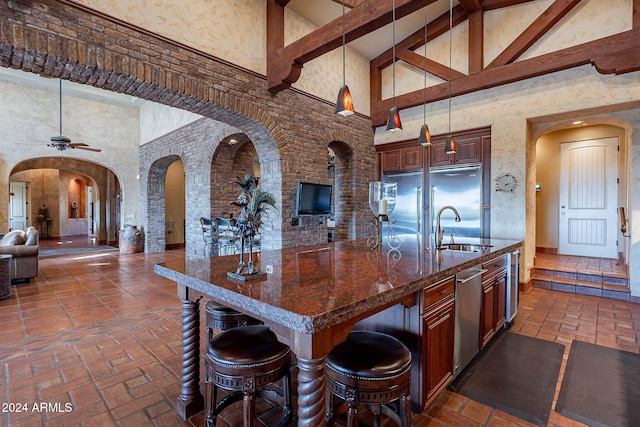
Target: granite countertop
column 314, row 287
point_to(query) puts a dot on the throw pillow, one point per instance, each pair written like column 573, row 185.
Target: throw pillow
column 15, row 237
column 32, row 236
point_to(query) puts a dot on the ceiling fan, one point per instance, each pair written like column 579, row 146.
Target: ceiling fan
column 61, row 142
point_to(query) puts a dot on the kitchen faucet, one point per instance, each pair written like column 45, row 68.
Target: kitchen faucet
column 439, row 231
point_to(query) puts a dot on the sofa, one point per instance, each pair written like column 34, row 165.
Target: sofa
column 23, row 246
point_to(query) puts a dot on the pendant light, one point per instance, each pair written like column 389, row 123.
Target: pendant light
column 425, row 135
column 393, row 122
column 450, row 144
column 344, row 104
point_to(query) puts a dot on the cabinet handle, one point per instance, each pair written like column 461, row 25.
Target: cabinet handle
column 443, row 292
column 442, row 314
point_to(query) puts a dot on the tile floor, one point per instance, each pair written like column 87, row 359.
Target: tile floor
column 611, row 267
column 96, row 336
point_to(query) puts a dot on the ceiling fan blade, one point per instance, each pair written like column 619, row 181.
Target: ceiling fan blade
column 78, row 144
column 97, row 150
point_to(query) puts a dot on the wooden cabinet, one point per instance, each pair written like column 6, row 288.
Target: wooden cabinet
column 494, row 299
column 438, row 338
column 468, row 150
column 486, row 315
column 402, row 157
column 472, row 146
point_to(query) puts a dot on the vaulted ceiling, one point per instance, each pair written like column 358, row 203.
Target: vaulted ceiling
column 619, row 53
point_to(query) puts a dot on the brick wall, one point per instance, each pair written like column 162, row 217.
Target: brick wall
column 290, row 131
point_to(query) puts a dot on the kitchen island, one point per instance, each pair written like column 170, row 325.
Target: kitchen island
column 312, row 298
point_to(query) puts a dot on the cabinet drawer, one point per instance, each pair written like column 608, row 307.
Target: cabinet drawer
column 494, row 265
column 438, row 292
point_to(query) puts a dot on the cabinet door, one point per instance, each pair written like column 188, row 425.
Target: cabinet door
column 439, row 329
column 486, row 320
column 412, row 158
column 439, row 157
column 500, row 300
column 391, row 160
column 469, row 151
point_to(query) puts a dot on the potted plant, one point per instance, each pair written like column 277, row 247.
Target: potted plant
column 254, row 203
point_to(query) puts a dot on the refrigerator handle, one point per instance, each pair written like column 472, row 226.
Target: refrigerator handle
column 419, row 209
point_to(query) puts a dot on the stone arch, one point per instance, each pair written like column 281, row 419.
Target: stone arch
column 106, row 181
column 128, row 59
column 196, row 145
column 154, row 230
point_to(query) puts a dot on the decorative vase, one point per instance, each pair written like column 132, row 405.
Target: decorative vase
column 130, row 239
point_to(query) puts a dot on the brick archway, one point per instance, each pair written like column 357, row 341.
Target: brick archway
column 74, row 42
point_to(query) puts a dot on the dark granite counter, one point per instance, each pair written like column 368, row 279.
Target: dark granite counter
column 315, row 287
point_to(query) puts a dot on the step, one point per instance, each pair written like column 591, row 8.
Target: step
column 596, row 285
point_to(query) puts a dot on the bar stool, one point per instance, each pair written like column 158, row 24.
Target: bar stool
column 370, row 368
column 220, row 318
column 244, row 361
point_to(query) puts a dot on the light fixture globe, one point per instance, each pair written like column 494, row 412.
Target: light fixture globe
column 425, row 136
column 393, row 122
column 450, row 145
column 344, row 104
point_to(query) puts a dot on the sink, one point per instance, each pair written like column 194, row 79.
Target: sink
column 464, row 247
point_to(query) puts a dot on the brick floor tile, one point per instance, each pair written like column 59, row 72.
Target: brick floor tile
column 84, row 396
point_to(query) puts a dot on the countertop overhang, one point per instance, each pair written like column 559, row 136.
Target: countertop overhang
column 315, row 287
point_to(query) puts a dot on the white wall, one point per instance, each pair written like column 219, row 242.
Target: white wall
column 30, row 116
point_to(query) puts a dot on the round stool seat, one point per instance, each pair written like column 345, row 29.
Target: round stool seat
column 369, row 356
column 370, row 368
column 246, row 347
column 245, row 360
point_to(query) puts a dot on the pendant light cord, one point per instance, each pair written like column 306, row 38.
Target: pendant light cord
column 450, row 50
column 424, row 105
column 394, row 51
column 344, row 79
column 60, row 109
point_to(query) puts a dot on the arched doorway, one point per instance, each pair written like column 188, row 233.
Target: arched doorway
column 70, row 197
column 555, row 190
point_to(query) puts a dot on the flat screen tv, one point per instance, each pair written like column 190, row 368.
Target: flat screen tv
column 313, row 199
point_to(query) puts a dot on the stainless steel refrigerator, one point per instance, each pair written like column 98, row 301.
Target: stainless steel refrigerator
column 408, row 213
column 460, row 187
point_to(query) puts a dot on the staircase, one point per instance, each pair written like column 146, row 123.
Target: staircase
column 600, row 277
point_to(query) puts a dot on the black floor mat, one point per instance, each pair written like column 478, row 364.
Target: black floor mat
column 601, row 386
column 517, row 374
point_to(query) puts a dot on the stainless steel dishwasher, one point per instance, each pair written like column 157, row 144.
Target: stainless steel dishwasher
column 467, row 321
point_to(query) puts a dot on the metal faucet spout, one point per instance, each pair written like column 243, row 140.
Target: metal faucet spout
column 439, row 231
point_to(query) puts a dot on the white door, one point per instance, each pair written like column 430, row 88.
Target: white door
column 589, row 198
column 90, row 211
column 18, row 212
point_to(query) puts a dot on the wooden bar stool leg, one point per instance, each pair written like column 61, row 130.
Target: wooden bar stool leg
column 248, row 405
column 375, row 409
column 352, row 405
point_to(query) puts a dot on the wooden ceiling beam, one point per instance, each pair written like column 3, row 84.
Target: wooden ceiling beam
column 538, row 28
column 614, row 54
column 435, row 28
column 433, row 67
column 471, row 6
column 349, row 3
column 498, row 4
column 476, row 42
column 284, row 64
